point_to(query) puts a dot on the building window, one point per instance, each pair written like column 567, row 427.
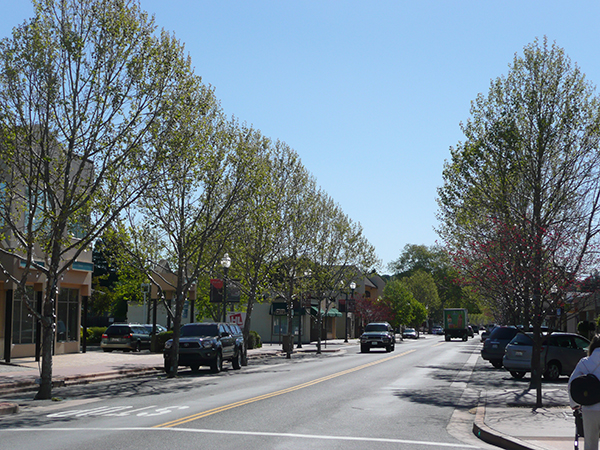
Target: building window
column 67, row 323
column 23, row 321
column 280, row 325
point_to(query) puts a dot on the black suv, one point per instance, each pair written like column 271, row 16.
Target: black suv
column 378, row 334
column 207, row 344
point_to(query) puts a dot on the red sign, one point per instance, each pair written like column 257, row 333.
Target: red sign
column 217, row 284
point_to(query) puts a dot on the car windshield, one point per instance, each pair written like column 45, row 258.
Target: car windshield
column 410, row 330
column 200, row 329
column 376, row 327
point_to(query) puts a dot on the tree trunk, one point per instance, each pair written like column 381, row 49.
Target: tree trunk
column 45, row 389
column 247, row 324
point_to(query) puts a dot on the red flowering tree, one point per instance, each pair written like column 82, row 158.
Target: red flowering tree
column 520, row 200
column 373, row 310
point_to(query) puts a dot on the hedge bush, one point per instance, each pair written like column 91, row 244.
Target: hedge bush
column 94, row 334
column 254, row 340
column 161, row 338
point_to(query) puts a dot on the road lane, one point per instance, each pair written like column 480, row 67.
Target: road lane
column 404, row 399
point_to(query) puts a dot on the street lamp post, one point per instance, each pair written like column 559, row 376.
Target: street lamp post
column 307, row 274
column 225, row 263
column 352, row 286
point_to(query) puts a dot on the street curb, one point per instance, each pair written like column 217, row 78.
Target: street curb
column 487, row 434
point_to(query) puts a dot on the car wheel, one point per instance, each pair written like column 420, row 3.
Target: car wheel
column 497, row 363
column 137, row 347
column 217, row 365
column 552, row 371
column 517, row 374
column 235, row 362
column 447, row 338
column 364, row 349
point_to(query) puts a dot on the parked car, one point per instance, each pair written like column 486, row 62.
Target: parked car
column 560, row 354
column 379, row 334
column 207, row 344
column 495, row 344
column 410, row 333
column 126, row 337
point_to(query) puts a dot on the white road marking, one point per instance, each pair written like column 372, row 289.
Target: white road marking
column 249, row 433
column 118, row 411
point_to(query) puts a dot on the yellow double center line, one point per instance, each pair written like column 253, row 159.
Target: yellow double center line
column 210, row 412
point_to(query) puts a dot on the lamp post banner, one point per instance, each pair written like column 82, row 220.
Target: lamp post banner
column 216, row 290
column 233, row 291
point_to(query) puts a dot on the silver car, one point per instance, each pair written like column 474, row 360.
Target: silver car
column 560, row 354
column 126, row 337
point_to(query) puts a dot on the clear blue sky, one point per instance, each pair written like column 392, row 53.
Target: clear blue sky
column 369, row 93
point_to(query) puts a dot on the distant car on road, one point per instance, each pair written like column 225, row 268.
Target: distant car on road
column 410, row 333
column 486, row 333
column 378, row 334
column 437, row 330
column 560, row 354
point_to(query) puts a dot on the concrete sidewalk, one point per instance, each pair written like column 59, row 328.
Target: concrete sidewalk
column 507, row 419
column 504, row 418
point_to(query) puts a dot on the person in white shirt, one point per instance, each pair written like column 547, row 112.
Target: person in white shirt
column 591, row 413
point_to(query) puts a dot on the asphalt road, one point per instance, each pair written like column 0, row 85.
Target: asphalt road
column 416, row 397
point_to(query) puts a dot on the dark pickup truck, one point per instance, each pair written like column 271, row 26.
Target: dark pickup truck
column 207, row 344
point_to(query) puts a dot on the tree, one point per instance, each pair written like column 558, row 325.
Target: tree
column 436, row 262
column 81, row 84
column 341, row 253
column 418, row 257
column 519, row 203
column 422, row 287
column 400, row 302
column 258, row 244
column 211, row 169
column 373, row 310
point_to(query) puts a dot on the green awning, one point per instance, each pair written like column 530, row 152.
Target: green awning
column 280, row 309
column 332, row 312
